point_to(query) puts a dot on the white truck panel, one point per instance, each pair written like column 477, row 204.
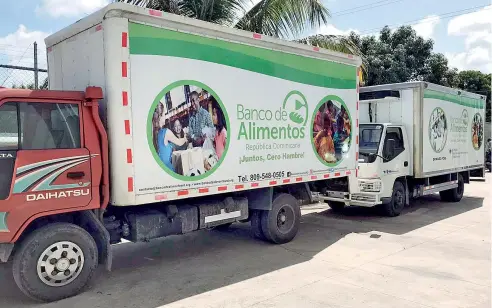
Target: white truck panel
column 77, row 62
column 121, row 170
column 283, row 85
column 449, row 124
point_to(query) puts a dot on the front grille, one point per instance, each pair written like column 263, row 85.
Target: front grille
column 370, row 186
column 364, row 197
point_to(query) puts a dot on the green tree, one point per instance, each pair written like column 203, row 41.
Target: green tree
column 476, row 82
column 394, row 56
column 279, row 18
column 437, row 71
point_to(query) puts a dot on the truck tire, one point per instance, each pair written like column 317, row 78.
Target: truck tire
column 455, row 194
column 336, row 206
column 59, row 250
column 397, row 203
column 256, row 224
column 281, row 223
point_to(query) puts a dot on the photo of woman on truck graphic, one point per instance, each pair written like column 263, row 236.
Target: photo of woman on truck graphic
column 332, row 131
column 189, row 131
column 477, row 131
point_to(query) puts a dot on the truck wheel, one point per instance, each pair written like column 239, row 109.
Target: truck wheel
column 455, row 194
column 397, row 203
column 256, row 224
column 336, row 206
column 55, row 262
column 281, row 223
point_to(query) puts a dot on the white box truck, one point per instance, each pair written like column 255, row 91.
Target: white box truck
column 416, row 139
column 156, row 125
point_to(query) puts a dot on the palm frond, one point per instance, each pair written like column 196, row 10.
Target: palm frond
column 284, row 18
column 223, row 12
column 337, row 43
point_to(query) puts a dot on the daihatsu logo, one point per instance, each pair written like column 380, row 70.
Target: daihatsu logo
column 7, row 155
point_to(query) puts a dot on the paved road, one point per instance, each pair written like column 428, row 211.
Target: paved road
column 434, row 255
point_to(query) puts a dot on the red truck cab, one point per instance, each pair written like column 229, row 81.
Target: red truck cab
column 53, row 160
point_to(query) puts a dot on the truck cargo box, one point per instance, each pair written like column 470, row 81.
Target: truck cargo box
column 194, row 108
column 445, row 126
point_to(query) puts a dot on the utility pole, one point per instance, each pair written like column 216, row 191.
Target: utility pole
column 36, row 70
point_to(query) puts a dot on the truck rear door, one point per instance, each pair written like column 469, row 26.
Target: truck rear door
column 44, row 165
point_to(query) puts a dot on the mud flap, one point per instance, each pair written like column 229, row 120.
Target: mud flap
column 90, row 222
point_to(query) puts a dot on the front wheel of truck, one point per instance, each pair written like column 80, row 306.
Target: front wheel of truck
column 281, row 223
column 397, row 203
column 336, row 206
column 55, row 262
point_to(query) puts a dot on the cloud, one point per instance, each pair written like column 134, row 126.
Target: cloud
column 476, row 28
column 17, row 49
column 472, row 22
column 330, row 29
column 426, row 26
column 477, row 58
column 70, row 8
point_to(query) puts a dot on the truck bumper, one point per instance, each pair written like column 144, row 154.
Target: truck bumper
column 5, row 251
column 358, row 199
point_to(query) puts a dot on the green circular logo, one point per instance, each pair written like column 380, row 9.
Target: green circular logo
column 477, row 131
column 331, row 130
column 188, row 130
column 297, row 104
column 438, row 129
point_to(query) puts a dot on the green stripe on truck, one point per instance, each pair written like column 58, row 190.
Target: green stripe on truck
column 457, row 99
column 147, row 40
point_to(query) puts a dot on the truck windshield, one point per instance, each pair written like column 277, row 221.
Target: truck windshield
column 370, row 137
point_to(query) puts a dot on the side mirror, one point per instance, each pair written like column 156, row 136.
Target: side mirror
column 390, row 148
column 372, row 157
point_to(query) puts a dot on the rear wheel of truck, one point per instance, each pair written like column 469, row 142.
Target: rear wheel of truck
column 336, row 206
column 281, row 223
column 256, row 224
column 455, row 194
column 55, row 262
column 397, row 203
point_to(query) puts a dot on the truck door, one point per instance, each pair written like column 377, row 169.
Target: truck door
column 396, row 156
column 43, row 163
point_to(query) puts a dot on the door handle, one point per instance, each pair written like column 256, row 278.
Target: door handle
column 75, row 175
column 405, row 164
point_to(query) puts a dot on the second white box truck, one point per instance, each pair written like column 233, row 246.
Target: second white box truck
column 416, row 139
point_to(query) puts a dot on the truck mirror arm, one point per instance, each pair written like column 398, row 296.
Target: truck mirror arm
column 377, row 155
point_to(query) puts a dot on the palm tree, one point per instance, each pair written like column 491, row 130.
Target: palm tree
column 285, row 19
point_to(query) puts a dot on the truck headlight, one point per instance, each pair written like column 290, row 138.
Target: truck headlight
column 370, row 186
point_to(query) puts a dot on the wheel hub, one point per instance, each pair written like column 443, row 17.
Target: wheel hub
column 60, row 264
column 285, row 219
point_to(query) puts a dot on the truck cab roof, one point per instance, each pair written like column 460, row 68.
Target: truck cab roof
column 40, row 95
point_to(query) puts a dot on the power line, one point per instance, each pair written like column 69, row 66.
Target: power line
column 365, row 7
column 416, row 21
column 360, row 6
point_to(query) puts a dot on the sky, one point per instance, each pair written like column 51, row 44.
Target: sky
column 461, row 30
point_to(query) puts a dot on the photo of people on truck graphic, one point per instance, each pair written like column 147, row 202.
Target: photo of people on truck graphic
column 477, row 131
column 189, row 131
column 332, row 131
column 438, row 130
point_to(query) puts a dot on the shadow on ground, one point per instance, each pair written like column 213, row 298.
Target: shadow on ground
column 148, row 275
